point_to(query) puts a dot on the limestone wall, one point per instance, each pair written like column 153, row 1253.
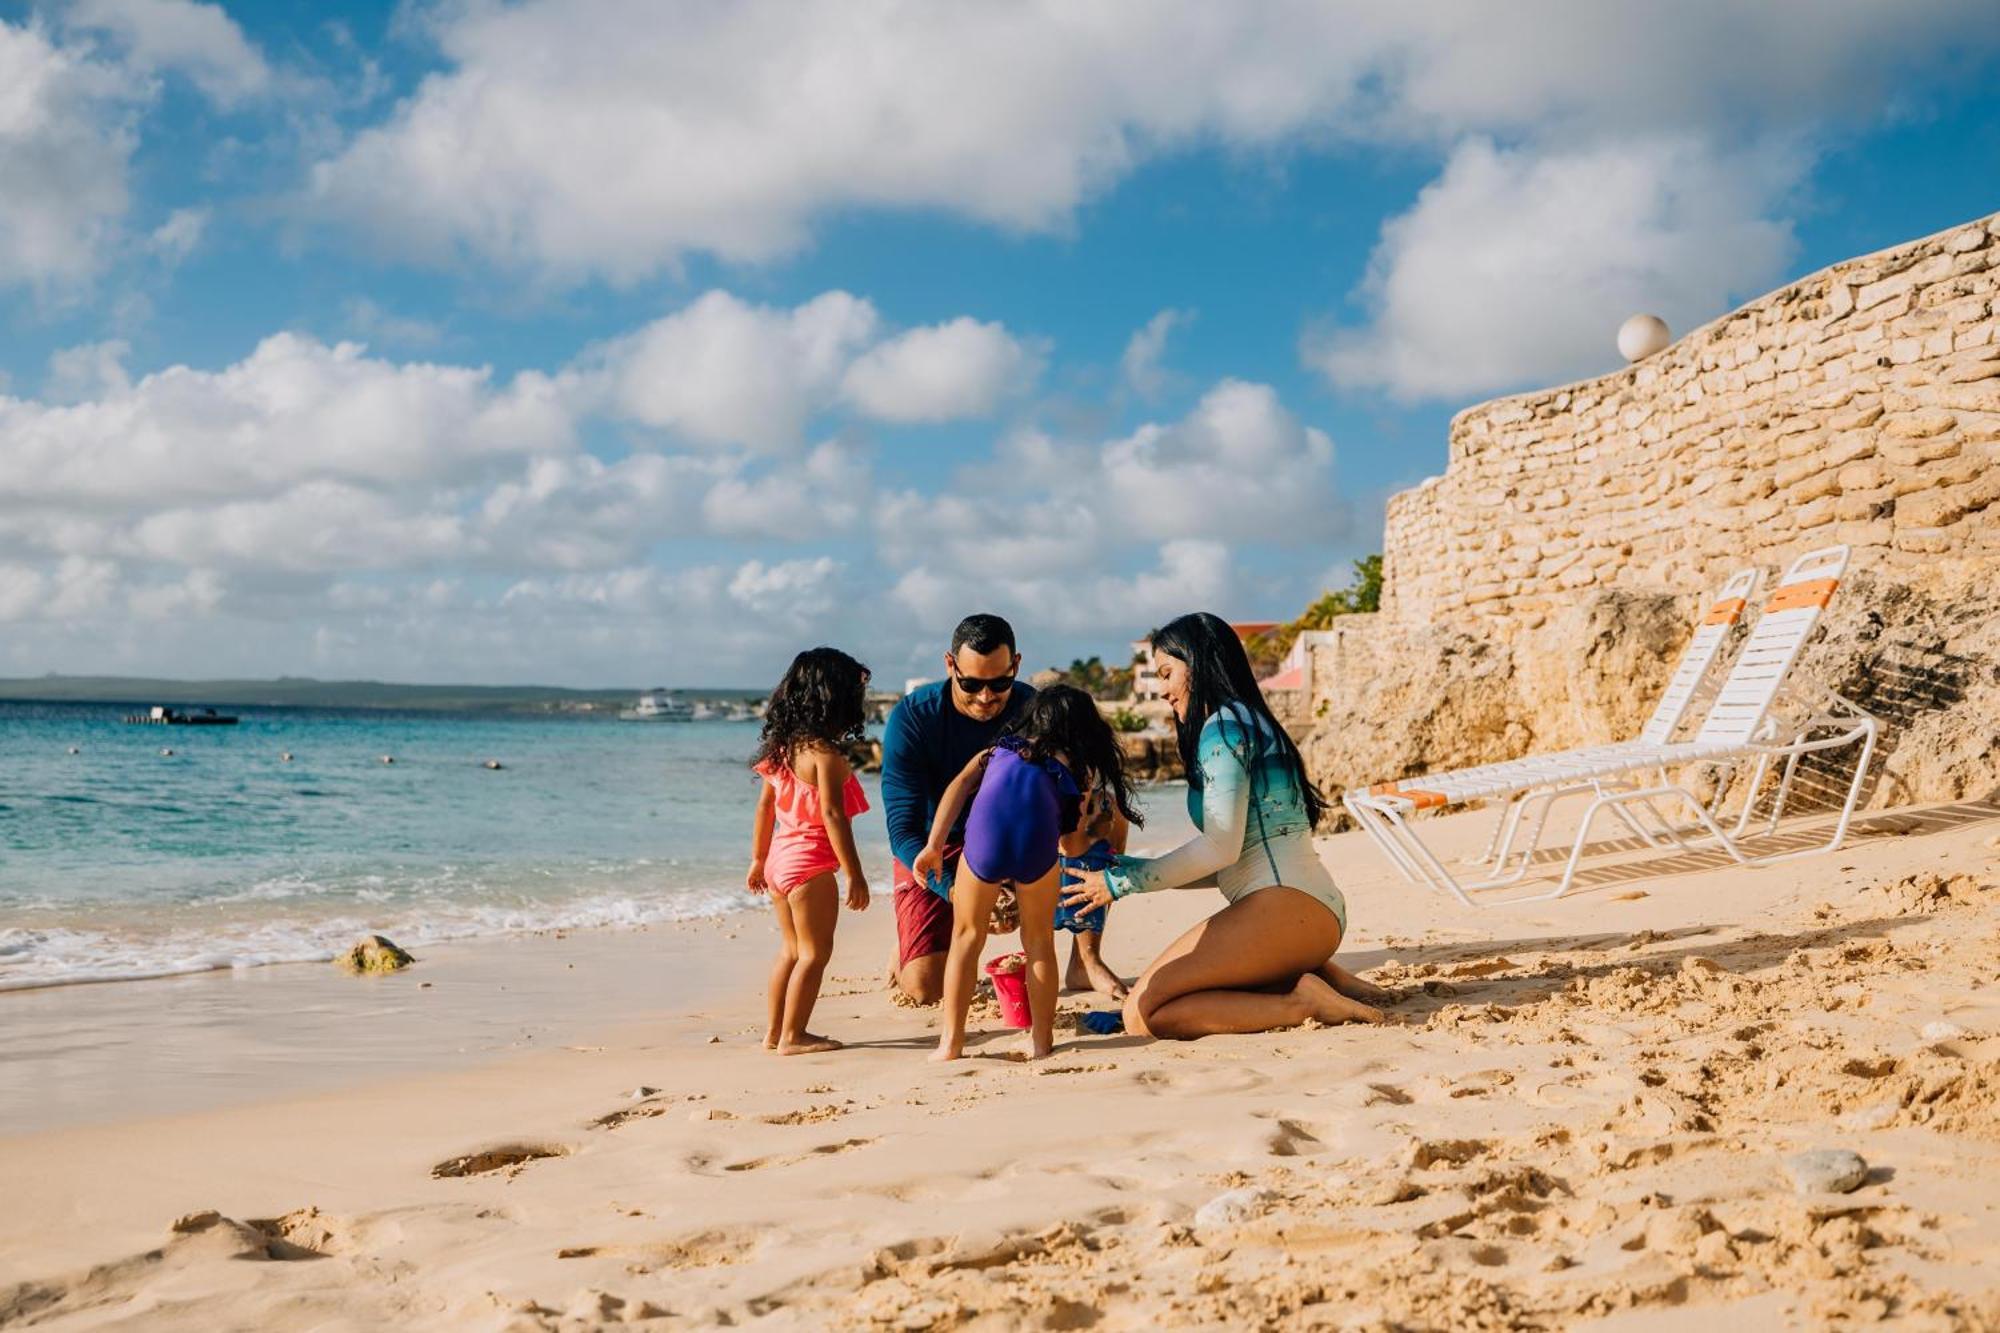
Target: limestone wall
column 1858, row 405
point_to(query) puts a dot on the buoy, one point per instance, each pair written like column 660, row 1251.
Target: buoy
column 495, row 764
column 74, row 750
column 388, row 758
column 285, row 755
column 168, row 753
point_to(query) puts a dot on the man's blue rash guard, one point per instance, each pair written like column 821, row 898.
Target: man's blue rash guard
column 926, row 743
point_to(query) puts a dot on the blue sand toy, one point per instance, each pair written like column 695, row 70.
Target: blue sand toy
column 1103, row 1022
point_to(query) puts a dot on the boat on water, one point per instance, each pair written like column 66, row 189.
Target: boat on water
column 658, row 705
column 160, row 716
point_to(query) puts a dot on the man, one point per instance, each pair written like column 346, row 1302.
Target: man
column 932, row 734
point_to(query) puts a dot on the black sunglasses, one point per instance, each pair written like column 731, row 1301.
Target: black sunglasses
column 976, row 685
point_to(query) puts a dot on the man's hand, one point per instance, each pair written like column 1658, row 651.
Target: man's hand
column 857, row 894
column 1089, row 893
column 754, row 880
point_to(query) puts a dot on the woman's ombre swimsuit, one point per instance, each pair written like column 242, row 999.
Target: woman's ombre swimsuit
column 1020, row 812
column 801, row 848
column 1254, row 831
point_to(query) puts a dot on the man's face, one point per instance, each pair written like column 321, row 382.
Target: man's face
column 974, row 677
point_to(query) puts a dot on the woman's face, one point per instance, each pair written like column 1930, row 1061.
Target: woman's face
column 1173, row 674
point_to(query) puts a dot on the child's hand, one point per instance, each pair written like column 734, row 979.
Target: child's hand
column 857, row 894
column 930, row 864
column 754, row 880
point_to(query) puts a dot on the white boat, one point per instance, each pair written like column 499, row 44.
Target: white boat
column 658, row 706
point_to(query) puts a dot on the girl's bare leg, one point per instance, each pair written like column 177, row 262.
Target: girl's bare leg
column 1208, row 981
column 815, row 908
column 781, row 970
column 971, row 908
column 1038, row 941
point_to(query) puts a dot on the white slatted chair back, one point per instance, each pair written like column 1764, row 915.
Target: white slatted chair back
column 1775, row 642
column 1722, row 616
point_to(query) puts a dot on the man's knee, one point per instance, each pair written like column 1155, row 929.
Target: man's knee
column 922, row 978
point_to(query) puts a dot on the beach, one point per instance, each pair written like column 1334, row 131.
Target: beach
column 1579, row 1116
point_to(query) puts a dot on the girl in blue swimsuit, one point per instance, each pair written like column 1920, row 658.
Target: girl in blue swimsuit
column 1027, row 793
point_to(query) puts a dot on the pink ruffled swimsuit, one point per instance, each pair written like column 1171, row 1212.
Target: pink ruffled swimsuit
column 801, row 848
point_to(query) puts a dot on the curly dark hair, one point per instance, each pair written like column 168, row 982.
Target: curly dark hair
column 822, row 700
column 1062, row 718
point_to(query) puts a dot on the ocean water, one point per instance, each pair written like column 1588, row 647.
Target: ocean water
column 120, row 862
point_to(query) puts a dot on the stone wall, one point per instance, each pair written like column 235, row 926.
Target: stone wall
column 1547, row 580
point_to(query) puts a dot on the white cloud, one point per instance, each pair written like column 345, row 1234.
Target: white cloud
column 1519, row 265
column 65, row 146
column 943, row 372
column 176, row 238
column 721, row 371
column 295, row 410
column 374, row 323
column 1140, row 364
column 199, row 40
column 614, row 137
column 822, row 495
column 87, row 371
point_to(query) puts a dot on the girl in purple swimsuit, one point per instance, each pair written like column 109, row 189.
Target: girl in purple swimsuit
column 1027, row 793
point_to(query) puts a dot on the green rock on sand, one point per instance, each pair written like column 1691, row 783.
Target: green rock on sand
column 377, row 953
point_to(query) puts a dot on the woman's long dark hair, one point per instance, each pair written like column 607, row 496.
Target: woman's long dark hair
column 1219, row 673
column 1064, row 718
column 822, row 700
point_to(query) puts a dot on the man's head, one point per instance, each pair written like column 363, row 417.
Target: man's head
column 982, row 663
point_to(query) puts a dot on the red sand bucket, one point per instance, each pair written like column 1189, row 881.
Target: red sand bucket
column 1009, row 973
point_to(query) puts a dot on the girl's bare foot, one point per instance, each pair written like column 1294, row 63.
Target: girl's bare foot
column 1328, row 1005
column 807, row 1044
column 944, row 1052
column 1040, row 1050
column 1354, row 987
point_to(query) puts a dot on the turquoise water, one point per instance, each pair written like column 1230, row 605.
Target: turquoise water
column 121, row 862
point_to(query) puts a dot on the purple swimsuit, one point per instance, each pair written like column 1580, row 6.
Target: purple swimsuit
column 1022, row 807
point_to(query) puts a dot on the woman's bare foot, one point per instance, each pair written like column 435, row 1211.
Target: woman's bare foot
column 1328, row 1005
column 1354, row 987
column 807, row 1044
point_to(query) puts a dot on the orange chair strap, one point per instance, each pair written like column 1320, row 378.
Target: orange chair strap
column 1725, row 612
column 1422, row 800
column 1793, row 596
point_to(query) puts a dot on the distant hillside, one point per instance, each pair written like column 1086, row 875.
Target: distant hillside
column 304, row 692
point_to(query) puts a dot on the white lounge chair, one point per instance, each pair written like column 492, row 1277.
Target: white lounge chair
column 1684, row 689
column 1749, row 720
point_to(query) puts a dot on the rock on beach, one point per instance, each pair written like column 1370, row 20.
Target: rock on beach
column 376, row 953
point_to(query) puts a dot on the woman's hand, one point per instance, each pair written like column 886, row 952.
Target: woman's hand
column 857, row 894
column 754, row 880
column 930, row 864
column 1089, row 893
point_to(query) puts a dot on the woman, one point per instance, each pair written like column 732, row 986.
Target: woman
column 1266, row 960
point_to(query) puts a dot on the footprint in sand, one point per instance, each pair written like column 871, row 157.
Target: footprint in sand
column 509, row 1158
column 824, row 1150
column 811, row 1115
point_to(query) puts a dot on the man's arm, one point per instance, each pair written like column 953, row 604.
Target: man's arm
column 905, row 782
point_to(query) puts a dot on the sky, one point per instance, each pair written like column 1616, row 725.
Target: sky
column 605, row 342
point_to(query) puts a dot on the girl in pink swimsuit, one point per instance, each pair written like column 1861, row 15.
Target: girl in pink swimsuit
column 802, row 833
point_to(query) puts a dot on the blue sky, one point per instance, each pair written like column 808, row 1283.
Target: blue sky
column 599, row 341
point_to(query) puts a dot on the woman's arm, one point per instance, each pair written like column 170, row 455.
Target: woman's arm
column 760, row 835
column 830, row 775
column 930, row 861
column 1225, row 809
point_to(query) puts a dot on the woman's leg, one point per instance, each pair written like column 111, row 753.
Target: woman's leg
column 1209, row 980
column 971, row 908
column 781, row 970
column 1354, row 987
column 815, row 908
column 1038, row 941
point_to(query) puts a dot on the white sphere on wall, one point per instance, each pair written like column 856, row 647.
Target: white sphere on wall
column 1641, row 336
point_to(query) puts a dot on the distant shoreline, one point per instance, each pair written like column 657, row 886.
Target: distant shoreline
column 306, row 692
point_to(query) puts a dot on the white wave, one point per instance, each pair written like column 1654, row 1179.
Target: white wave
column 60, row 956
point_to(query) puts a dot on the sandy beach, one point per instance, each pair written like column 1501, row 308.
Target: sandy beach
column 1579, row 1118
